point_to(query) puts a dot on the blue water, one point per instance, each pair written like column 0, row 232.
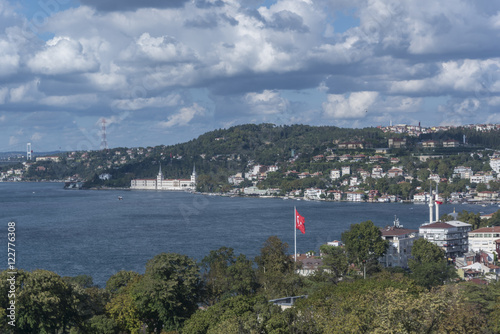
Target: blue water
column 75, row 232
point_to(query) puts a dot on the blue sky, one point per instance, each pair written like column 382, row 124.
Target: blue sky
column 164, row 72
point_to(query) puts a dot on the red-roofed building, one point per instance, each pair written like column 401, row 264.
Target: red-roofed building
column 484, row 239
column 400, row 244
column 450, row 236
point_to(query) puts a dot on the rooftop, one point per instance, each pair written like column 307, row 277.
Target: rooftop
column 394, row 231
column 493, row 229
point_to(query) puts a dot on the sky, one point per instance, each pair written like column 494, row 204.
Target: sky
column 165, row 72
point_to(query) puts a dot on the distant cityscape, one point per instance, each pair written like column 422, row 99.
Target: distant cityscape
column 401, row 169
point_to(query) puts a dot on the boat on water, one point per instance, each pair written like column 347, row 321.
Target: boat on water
column 120, row 198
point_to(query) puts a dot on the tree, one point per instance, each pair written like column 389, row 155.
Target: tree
column 275, row 268
column 470, row 218
column 495, row 219
column 169, row 291
column 429, row 267
column 364, row 243
column 423, row 174
column 46, row 303
column 225, row 275
column 121, row 280
column 124, row 312
column 238, row 314
column 103, row 325
column 243, row 276
column 335, row 262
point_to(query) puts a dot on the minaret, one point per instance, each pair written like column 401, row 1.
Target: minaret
column 431, row 203
column 193, row 177
column 437, row 204
column 159, row 179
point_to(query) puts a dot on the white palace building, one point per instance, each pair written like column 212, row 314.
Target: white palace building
column 165, row 184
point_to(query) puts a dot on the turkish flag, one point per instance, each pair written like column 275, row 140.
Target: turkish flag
column 439, row 202
column 299, row 222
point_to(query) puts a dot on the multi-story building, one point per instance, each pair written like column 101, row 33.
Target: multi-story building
column 335, row 174
column 484, row 239
column 397, row 142
column 400, row 245
column 451, row 236
column 346, row 170
column 421, row 197
column 377, row 172
column 481, row 177
column 393, row 172
column 355, row 196
column 451, row 143
column 314, row 193
column 165, row 184
column 495, row 165
column 462, row 172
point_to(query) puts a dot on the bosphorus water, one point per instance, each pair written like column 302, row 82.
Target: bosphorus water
column 75, row 232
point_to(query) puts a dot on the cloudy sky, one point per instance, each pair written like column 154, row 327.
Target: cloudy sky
column 164, row 72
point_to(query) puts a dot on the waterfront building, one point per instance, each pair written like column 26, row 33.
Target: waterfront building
column 236, row 179
column 355, row 196
column 314, row 193
column 421, row 197
column 484, row 239
column 165, row 184
column 336, row 195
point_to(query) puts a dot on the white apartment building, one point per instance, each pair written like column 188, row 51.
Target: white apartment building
column 451, row 236
column 377, row 172
column 462, row 172
column 495, row 165
column 481, row 177
column 314, row 193
column 346, row 170
column 421, row 197
column 484, row 239
column 354, row 181
column 354, row 196
column 335, row 174
column 400, row 245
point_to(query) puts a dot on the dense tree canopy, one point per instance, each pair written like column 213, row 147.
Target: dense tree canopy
column 429, row 266
column 364, row 243
column 169, row 292
column 275, row 269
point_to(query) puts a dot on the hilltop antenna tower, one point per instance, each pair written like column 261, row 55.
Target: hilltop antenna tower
column 29, row 152
column 104, row 142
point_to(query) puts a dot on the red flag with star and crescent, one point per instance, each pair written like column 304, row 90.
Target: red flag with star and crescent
column 299, row 222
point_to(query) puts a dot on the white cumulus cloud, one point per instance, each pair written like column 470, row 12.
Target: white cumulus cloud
column 267, row 102
column 63, row 55
column 355, row 105
column 184, row 116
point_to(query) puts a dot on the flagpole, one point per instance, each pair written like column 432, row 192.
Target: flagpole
column 295, row 230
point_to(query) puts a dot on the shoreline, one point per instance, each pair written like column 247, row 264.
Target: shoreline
column 472, row 202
